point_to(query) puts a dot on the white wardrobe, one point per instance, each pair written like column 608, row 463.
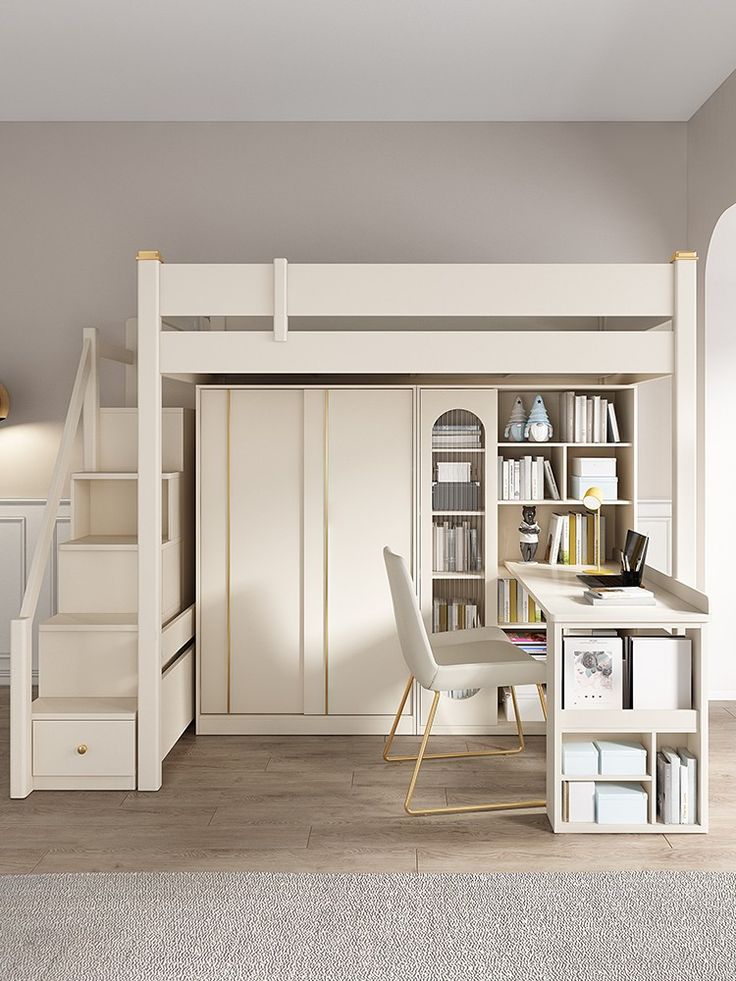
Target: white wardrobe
column 299, row 489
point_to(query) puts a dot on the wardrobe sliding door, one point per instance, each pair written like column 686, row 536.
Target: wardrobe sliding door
column 370, row 503
column 251, row 512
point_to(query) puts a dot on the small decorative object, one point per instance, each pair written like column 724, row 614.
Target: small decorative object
column 538, row 428
column 515, row 426
column 528, row 534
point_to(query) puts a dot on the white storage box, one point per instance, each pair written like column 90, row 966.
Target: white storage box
column 581, row 801
column 620, row 803
column 661, row 673
column 579, row 759
column 621, row 759
column 579, row 485
column 593, row 466
column 527, row 698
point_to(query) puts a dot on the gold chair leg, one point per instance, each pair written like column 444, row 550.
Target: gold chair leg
column 543, row 701
column 468, row 808
column 449, row 756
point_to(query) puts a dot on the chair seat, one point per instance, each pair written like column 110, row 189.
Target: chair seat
column 482, row 658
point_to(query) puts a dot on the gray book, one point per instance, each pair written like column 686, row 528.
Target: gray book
column 688, row 787
column 671, row 814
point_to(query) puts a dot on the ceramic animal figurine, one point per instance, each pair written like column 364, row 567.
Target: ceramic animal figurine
column 528, row 534
column 514, row 430
column 538, row 428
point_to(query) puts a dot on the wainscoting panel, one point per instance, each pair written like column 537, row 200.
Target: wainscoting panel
column 20, row 522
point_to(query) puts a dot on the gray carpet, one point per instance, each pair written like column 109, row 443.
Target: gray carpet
column 617, row 926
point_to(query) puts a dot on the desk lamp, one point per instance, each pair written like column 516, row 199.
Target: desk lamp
column 593, row 499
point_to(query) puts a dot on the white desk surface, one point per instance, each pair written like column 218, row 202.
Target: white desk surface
column 558, row 591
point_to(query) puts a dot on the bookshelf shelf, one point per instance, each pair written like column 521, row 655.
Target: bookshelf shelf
column 529, row 445
column 568, row 502
column 456, row 513
column 536, row 625
column 606, row 778
column 629, row 720
column 458, row 575
column 459, row 449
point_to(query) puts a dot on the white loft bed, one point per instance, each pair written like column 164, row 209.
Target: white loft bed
column 638, row 322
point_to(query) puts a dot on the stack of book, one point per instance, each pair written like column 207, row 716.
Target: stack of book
column 677, row 786
column 524, row 479
column 619, row 596
column 515, row 605
column 588, row 419
column 456, row 436
column 455, row 547
column 571, row 539
column 533, row 642
column 455, row 614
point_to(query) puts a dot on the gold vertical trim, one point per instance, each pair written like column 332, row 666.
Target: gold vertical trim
column 326, row 552
column 683, row 255
column 229, row 558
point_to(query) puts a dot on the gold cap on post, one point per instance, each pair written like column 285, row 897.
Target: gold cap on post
column 683, row 255
column 149, row 255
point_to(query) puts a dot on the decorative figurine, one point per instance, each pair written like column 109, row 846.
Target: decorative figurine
column 528, row 533
column 538, row 428
column 515, row 426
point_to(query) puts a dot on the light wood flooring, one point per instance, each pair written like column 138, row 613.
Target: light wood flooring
column 330, row 804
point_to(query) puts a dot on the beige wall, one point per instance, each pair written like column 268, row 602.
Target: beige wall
column 78, row 200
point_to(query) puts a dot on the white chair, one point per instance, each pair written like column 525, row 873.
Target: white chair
column 458, row 659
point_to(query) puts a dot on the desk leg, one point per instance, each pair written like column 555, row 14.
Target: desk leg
column 554, row 737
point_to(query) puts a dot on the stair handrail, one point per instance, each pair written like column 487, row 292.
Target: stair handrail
column 83, row 404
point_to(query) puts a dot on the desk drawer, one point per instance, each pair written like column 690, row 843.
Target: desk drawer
column 80, row 747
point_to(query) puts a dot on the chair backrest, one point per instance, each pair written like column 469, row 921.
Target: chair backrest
column 409, row 624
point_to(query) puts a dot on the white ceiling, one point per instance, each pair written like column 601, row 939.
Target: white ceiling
column 362, row 59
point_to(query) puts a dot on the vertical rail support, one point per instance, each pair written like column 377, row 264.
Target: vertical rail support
column 149, row 522
column 21, row 665
column 685, row 419
column 280, row 300
column 91, row 409
column 130, row 393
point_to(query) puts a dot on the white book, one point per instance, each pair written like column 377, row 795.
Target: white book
column 551, row 482
column 603, row 437
column 506, row 481
column 688, row 787
column 671, row 814
column 569, row 417
column 527, row 492
column 596, row 419
column 553, row 541
column 578, row 539
column 524, row 610
column 565, row 540
column 580, row 419
column 589, row 421
column 516, row 496
column 613, row 424
column 459, row 549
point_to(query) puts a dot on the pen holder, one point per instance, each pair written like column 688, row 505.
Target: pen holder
column 631, row 578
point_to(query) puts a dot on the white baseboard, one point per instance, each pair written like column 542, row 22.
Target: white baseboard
column 5, row 671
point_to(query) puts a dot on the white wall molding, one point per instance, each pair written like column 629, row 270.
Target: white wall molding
column 20, row 520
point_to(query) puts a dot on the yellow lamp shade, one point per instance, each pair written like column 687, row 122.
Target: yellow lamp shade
column 593, row 498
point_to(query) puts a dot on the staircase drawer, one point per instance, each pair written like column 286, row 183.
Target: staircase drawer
column 110, row 748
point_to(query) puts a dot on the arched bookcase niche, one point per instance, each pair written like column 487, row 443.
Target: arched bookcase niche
column 458, row 516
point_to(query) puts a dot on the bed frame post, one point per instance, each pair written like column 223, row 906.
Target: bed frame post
column 684, row 420
column 149, row 522
column 280, row 300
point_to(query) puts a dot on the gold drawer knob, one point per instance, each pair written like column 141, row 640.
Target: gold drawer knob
column 82, row 749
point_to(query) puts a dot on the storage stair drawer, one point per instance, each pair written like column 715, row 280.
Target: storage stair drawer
column 83, row 747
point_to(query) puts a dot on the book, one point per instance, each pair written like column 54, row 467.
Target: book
column 581, row 419
column 568, row 417
column 603, row 436
column 614, row 596
column 596, row 419
column 593, row 672
column 671, row 766
column 688, row 787
column 565, row 540
column 552, row 552
column 550, row 481
column 613, row 424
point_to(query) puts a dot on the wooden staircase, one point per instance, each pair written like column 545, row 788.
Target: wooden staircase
column 83, row 724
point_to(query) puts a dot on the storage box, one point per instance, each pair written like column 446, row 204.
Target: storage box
column 455, row 496
column 661, row 673
column 581, row 801
column 579, row 759
column 453, row 472
column 620, row 803
column 579, row 485
column 527, row 698
column 621, row 758
column 593, row 466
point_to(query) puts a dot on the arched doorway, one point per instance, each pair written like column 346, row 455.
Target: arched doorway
column 720, row 449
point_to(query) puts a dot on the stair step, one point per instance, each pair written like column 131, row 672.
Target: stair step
column 90, row 621
column 118, row 432
column 119, row 475
column 90, row 709
column 128, row 542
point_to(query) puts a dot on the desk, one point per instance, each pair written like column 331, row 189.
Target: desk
column 679, row 610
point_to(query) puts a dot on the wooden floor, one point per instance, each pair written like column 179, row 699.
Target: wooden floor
column 330, row 804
